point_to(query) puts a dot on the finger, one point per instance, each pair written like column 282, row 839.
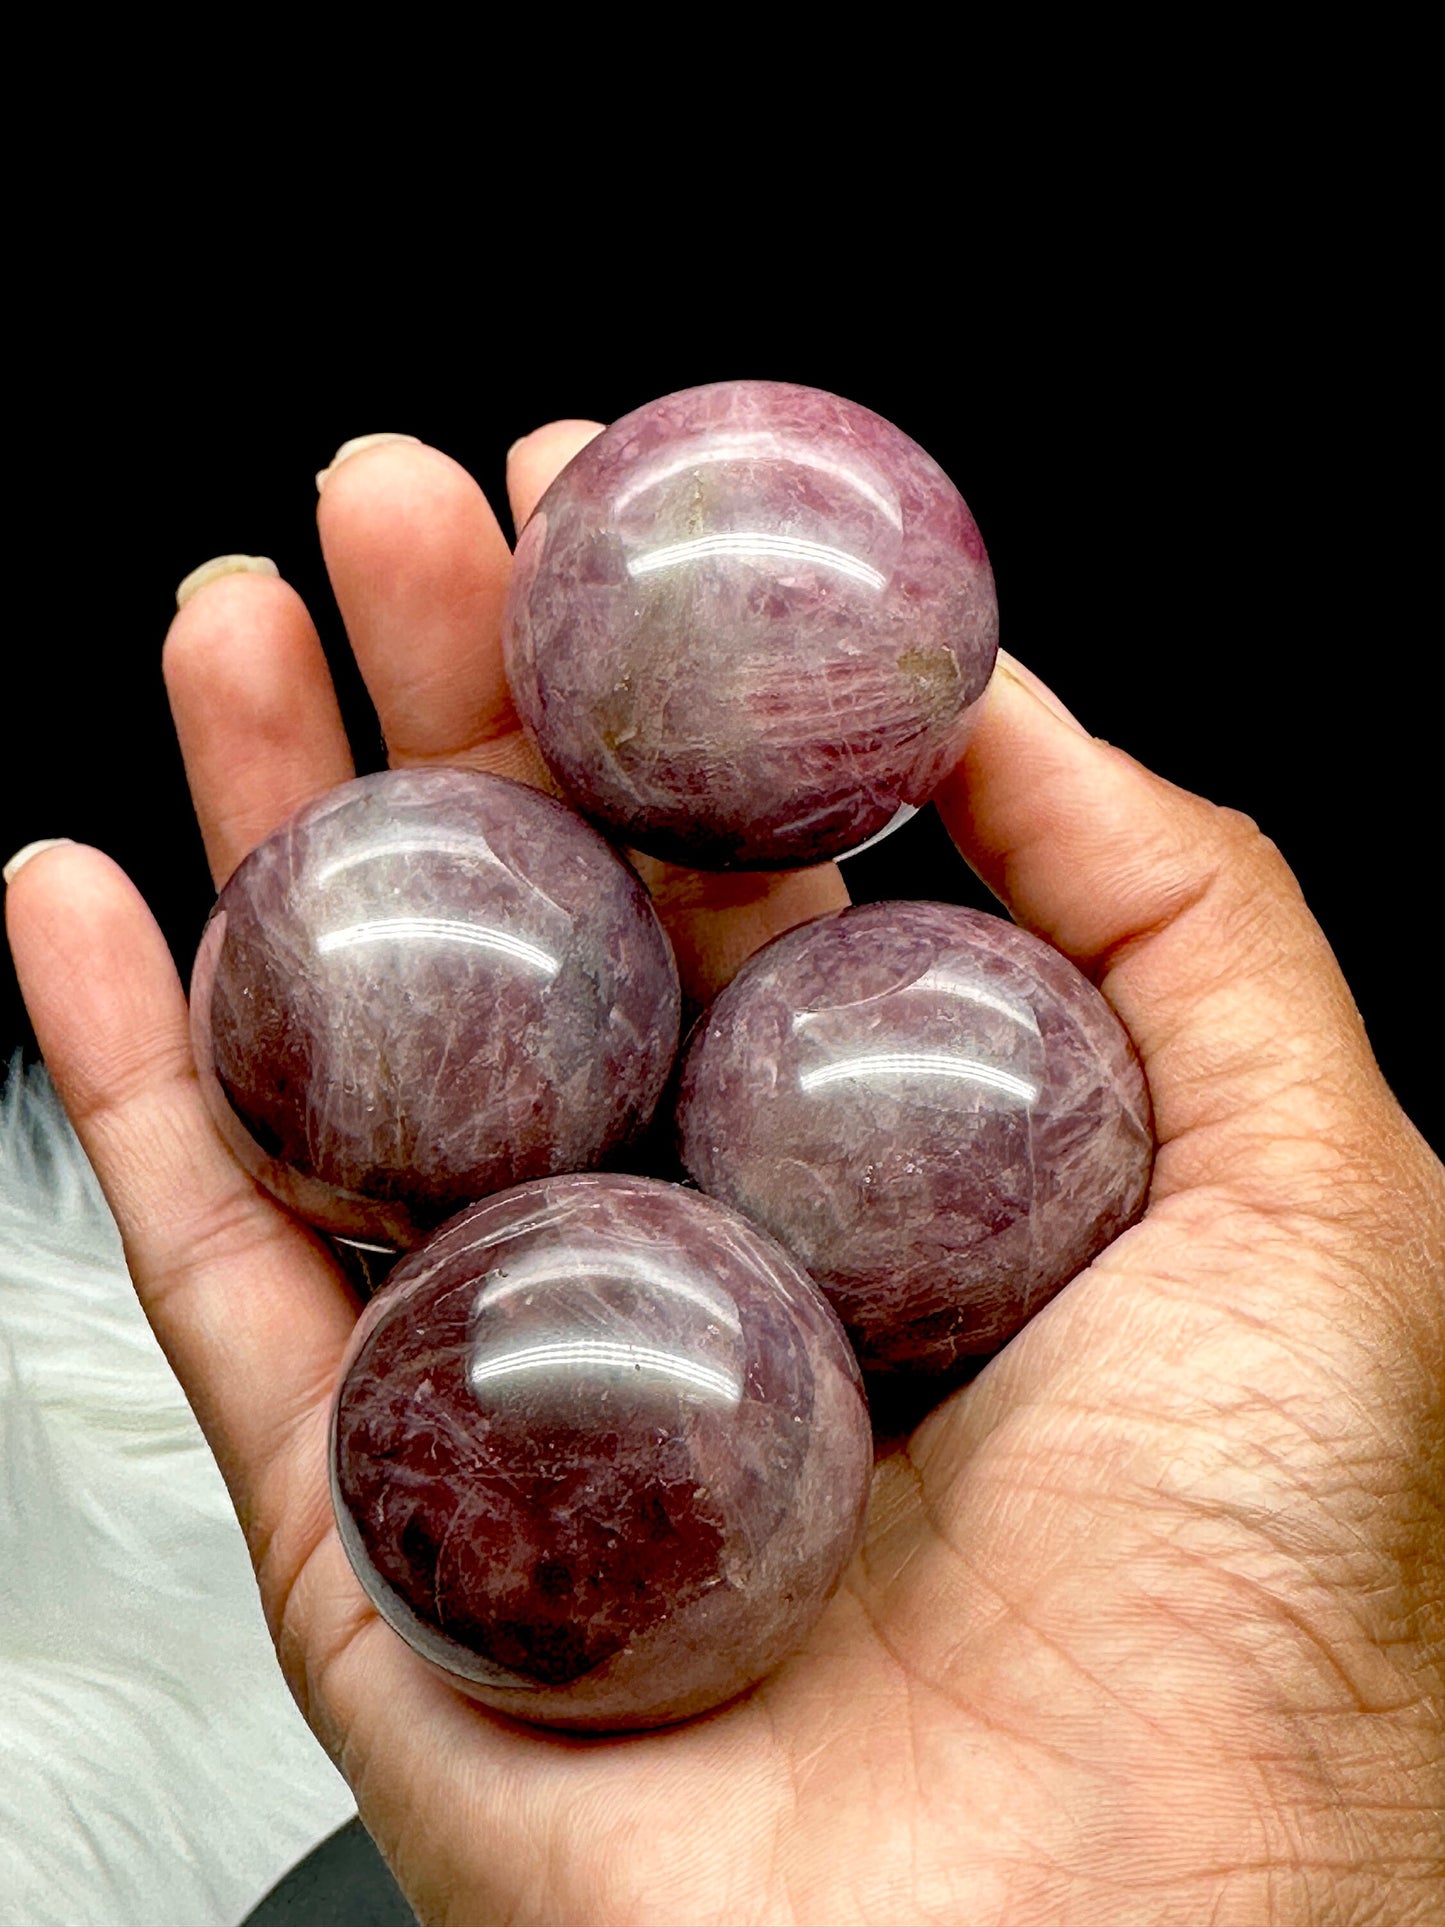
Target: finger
column 247, row 1306
column 1240, row 1355
column 1188, row 919
column 254, row 709
column 419, row 568
column 535, row 462
column 716, row 921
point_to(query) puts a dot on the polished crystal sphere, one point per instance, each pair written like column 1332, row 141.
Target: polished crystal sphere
column 600, row 1452
column 749, row 626
column 425, row 986
column 934, row 1111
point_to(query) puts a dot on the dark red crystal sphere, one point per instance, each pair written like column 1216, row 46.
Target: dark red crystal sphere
column 600, row 1452
column 749, row 625
column 934, row 1111
column 427, row 985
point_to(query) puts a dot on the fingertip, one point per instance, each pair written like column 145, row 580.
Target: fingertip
column 536, row 460
column 1181, row 910
column 387, row 477
column 419, row 566
column 572, row 432
column 29, row 851
column 56, row 867
column 207, row 619
column 1011, row 669
column 94, row 969
column 218, row 568
column 68, row 886
column 39, row 879
column 358, row 445
column 254, row 709
column 1080, row 842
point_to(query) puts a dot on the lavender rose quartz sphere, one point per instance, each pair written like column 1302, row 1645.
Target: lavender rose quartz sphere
column 427, row 985
column 600, row 1452
column 934, row 1111
column 749, row 625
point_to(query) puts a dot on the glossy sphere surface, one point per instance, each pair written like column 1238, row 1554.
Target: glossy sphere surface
column 934, row 1111
column 427, row 985
column 600, row 1452
column 749, row 624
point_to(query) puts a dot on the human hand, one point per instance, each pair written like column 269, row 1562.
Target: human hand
column 1148, row 1623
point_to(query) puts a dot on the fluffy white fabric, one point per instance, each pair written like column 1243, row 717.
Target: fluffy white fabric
column 155, row 1771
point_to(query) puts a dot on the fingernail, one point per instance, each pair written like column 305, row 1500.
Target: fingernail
column 21, row 857
column 354, row 447
column 220, row 565
column 1015, row 670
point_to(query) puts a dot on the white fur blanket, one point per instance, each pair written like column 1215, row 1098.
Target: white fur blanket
column 153, row 1769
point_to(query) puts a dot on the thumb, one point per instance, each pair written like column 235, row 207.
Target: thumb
column 1192, row 924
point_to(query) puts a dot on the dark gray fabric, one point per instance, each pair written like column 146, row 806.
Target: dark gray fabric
column 342, row 1883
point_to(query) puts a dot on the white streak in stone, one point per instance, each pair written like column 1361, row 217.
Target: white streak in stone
column 758, row 545
column 445, row 930
column 920, row 1064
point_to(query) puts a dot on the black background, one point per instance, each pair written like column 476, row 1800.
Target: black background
column 1188, row 447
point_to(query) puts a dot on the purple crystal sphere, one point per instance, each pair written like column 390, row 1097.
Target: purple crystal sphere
column 600, row 1452
column 934, row 1111
column 749, row 625
column 429, row 984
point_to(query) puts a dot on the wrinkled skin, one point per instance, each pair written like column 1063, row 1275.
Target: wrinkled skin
column 1147, row 1626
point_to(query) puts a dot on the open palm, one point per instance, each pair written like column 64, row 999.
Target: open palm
column 1148, row 1622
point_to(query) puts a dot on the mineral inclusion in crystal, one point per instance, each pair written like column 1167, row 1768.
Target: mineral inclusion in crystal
column 427, row 985
column 934, row 1111
column 600, row 1452
column 749, row 626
